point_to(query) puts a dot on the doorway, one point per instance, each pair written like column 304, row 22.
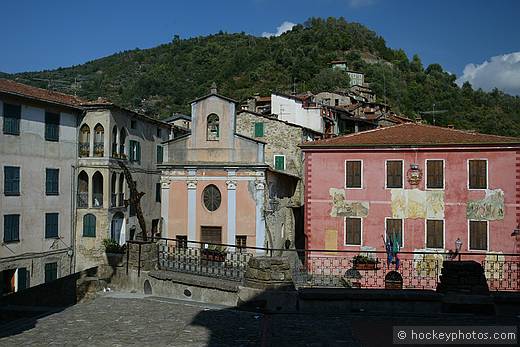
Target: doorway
column 117, row 232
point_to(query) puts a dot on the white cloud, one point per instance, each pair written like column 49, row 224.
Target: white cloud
column 360, row 3
column 501, row 71
column 286, row 26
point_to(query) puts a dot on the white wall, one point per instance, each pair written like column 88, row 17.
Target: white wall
column 292, row 111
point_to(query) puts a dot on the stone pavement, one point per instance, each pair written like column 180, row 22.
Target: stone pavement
column 130, row 319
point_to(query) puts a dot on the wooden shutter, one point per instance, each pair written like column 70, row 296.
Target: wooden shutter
column 259, row 129
column 478, row 235
column 353, row 231
column 159, row 154
column 435, row 174
column 434, row 234
column 51, row 272
column 394, row 174
column 89, row 225
column 279, row 162
column 51, row 225
column 11, row 227
column 23, row 278
column 477, row 174
column 211, row 234
column 353, row 174
column 12, row 115
column 11, row 180
column 52, row 126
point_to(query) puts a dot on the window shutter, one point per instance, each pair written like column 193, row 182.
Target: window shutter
column 279, row 162
column 259, row 129
column 478, row 235
column 159, row 154
column 138, row 150
column 394, row 174
column 353, row 231
column 23, row 278
column 434, row 234
column 435, row 174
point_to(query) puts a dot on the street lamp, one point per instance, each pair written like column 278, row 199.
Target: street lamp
column 458, row 246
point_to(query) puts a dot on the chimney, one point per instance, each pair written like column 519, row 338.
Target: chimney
column 213, row 89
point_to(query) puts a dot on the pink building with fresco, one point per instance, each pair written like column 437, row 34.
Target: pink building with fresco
column 426, row 186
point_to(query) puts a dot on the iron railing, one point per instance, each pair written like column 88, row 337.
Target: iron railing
column 335, row 268
column 201, row 258
column 82, row 200
column 97, row 200
column 84, row 149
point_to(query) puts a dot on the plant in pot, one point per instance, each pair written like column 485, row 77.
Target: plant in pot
column 214, row 253
column 363, row 262
column 114, row 252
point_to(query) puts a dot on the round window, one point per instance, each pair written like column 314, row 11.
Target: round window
column 211, row 197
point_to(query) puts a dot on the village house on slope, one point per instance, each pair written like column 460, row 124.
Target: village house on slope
column 424, row 186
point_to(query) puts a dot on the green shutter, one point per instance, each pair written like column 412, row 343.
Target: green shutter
column 138, row 155
column 259, row 129
column 11, row 227
column 89, row 225
column 51, row 272
column 12, row 115
column 279, row 162
column 23, row 278
column 159, row 154
column 11, row 180
column 51, row 225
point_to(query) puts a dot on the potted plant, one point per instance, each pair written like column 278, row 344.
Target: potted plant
column 363, row 262
column 114, row 252
column 214, row 253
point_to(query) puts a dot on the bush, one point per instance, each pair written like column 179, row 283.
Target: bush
column 111, row 246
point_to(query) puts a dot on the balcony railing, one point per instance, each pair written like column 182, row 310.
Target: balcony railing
column 97, row 200
column 113, row 200
column 99, row 150
column 82, row 200
column 337, row 268
column 84, row 149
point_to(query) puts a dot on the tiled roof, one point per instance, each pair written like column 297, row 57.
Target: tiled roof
column 24, row 90
column 411, row 135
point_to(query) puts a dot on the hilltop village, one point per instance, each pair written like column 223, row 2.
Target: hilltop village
column 335, row 170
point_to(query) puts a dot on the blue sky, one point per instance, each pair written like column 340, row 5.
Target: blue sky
column 41, row 35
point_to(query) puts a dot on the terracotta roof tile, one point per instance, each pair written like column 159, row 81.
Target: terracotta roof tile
column 15, row 88
column 412, row 134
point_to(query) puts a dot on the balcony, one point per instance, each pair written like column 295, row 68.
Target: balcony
column 84, row 149
column 121, row 199
column 82, row 200
column 99, row 150
column 113, row 200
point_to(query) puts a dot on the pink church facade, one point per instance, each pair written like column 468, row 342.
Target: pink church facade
column 427, row 187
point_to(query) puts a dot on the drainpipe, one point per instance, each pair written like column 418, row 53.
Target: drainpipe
column 73, row 219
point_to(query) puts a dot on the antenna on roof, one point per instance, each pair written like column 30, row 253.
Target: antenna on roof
column 433, row 112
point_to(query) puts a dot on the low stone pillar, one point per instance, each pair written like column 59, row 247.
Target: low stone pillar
column 146, row 260
column 265, row 272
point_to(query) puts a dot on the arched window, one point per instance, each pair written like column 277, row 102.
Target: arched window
column 99, row 141
column 89, row 225
column 122, row 142
column 116, row 228
column 84, row 141
column 82, row 190
column 213, row 132
column 121, row 189
column 211, row 197
column 113, row 194
column 97, row 190
column 114, row 142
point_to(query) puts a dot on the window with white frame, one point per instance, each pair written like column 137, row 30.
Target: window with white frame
column 434, row 233
column 434, row 174
column 478, row 235
column 394, row 174
column 353, row 231
column 477, row 174
column 353, row 174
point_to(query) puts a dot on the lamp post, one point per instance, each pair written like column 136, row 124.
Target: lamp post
column 458, row 246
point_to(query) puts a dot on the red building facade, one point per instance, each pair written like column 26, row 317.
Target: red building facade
column 424, row 186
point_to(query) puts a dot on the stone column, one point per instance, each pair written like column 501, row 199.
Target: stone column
column 165, row 205
column 232, row 211
column 90, row 190
column 192, row 209
column 260, row 220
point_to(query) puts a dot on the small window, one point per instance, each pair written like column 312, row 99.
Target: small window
column 394, row 230
column 160, row 154
column 133, row 124
column 12, row 115
column 213, row 130
column 241, row 241
column 157, row 192
column 211, row 197
column 353, row 174
column 11, row 180
column 52, row 126
column 51, row 272
column 52, row 181
column 51, row 225
column 434, row 233
column 135, row 151
column 336, row 102
column 11, row 227
column 435, row 174
column 89, row 225
column 477, row 174
column 259, row 129
column 159, row 132
column 211, row 234
column 394, row 174
column 279, row 162
column 478, row 235
column 353, row 231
